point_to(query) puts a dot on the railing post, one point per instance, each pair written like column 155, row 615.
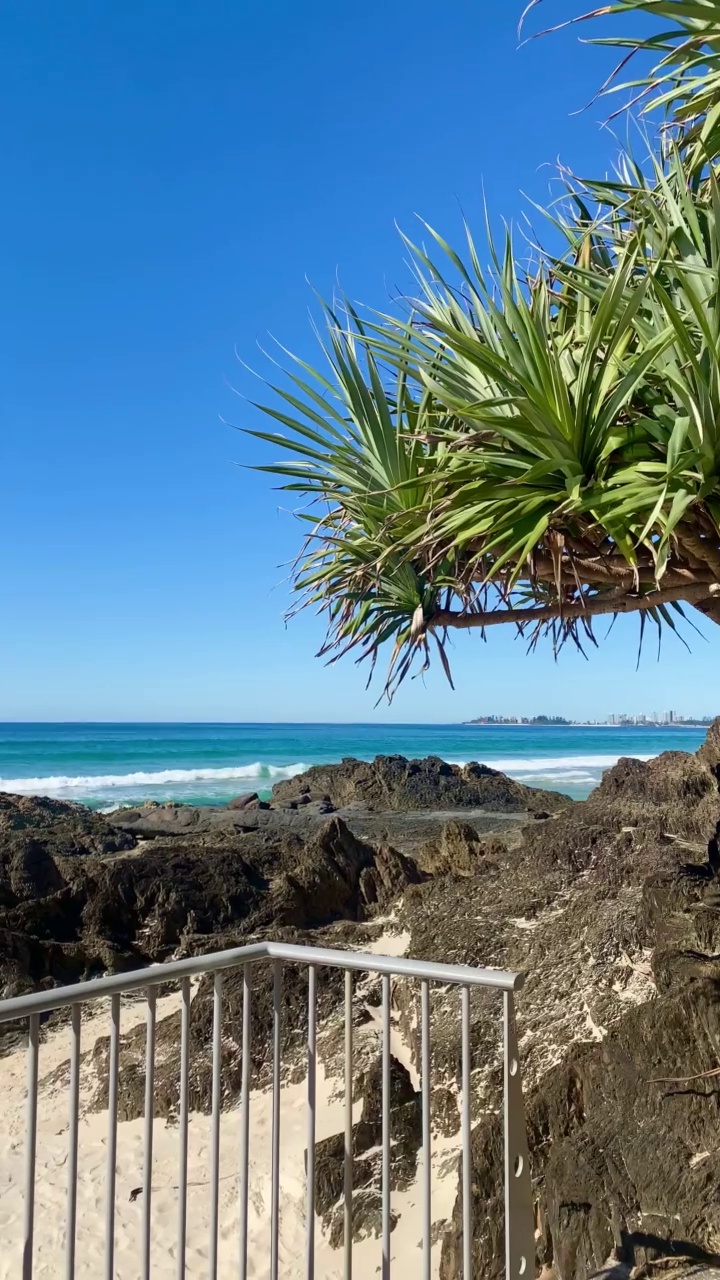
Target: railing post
column 386, row 1083
column 72, row 1163
column 113, row 1064
column 425, row 1061
column 30, row 1145
column 311, row 1104
column 348, row 1154
column 183, row 1123
column 275, row 1139
column 148, row 1135
column 519, row 1214
column 467, row 1201
column 215, row 1132
column 245, row 1123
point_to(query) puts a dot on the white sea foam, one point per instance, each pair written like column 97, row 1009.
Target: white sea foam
column 545, row 764
column 161, row 777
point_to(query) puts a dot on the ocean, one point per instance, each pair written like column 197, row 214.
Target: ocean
column 108, row 765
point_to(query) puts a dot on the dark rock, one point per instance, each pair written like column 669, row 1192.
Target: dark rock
column 36, row 831
column 31, row 870
column 709, row 752
column 390, row 783
column 95, row 912
column 625, row 1159
column 405, row 1138
column 152, row 820
column 460, row 851
column 674, row 796
column 324, row 882
column 242, row 802
column 69, row 829
column 319, row 807
column 389, row 876
column 418, row 833
column 406, row 831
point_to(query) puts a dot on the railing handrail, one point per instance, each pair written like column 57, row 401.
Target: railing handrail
column 156, row 974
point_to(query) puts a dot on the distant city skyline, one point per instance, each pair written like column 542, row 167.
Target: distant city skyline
column 657, row 718
column 616, row 719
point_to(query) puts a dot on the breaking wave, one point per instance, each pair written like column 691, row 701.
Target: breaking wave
column 541, row 764
column 576, row 774
column 256, row 772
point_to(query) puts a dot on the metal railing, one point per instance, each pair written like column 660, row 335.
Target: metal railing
column 519, row 1220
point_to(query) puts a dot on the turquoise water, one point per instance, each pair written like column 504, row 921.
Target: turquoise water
column 106, row 765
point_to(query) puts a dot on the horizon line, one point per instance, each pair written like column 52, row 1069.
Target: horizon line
column 371, row 724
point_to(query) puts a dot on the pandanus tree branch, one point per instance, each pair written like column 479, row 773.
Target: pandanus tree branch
column 535, row 447
column 591, row 607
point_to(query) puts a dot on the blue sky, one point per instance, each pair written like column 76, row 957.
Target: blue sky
column 172, row 174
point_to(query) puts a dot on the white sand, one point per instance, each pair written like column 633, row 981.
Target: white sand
column 51, row 1177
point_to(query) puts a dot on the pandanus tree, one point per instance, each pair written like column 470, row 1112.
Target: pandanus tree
column 531, row 446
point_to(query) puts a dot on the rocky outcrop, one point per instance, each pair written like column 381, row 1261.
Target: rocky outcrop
column 35, row 832
column 461, row 851
column 361, row 791
column 623, row 1139
column 392, row 783
column 152, row 820
column 323, row 882
column 73, row 906
column 389, row 876
column 615, row 916
column 64, row 828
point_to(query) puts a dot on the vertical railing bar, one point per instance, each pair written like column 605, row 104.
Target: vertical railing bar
column 113, row 1063
column 466, row 1153
column 507, row 1134
column 348, row 1122
column 73, row 1142
column 519, row 1200
column 215, row 1131
column 427, row 1152
column 148, row 1138
column 311, row 1092
column 275, row 1169
column 30, row 1144
column 386, row 1127
column 245, row 1124
column 183, row 1121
